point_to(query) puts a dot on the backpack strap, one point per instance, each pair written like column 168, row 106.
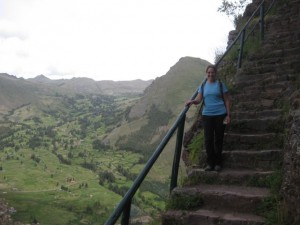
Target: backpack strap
column 202, row 90
column 221, row 89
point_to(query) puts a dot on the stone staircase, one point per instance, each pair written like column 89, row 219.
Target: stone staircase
column 254, row 141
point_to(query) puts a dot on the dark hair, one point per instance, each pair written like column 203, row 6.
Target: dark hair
column 211, row 66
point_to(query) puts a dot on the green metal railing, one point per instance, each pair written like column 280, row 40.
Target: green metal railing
column 124, row 206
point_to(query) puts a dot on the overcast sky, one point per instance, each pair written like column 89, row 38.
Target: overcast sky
column 107, row 39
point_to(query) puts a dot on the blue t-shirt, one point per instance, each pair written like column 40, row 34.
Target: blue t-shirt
column 213, row 101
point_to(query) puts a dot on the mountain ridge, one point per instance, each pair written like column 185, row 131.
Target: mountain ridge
column 15, row 92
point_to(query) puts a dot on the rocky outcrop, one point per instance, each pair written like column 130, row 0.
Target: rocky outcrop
column 5, row 214
column 291, row 184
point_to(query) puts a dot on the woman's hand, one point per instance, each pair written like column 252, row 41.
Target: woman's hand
column 227, row 120
column 195, row 101
column 189, row 103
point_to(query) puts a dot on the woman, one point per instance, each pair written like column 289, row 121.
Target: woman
column 215, row 115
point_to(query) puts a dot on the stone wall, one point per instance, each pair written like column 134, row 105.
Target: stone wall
column 291, row 163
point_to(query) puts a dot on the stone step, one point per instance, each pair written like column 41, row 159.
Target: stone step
column 273, row 71
column 268, row 84
column 236, row 141
column 256, row 125
column 251, row 69
column 256, row 94
column 282, row 38
column 257, row 160
column 258, row 104
column 270, row 58
column 219, row 197
column 290, row 65
column 209, row 217
column 242, row 177
column 267, row 54
column 283, row 16
column 240, row 115
column 269, row 50
column 292, row 51
column 251, row 75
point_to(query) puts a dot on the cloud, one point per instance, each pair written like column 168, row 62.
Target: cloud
column 11, row 30
column 116, row 39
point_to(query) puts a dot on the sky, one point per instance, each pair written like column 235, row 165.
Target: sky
column 107, row 39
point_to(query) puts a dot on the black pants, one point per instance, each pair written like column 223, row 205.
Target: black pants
column 213, row 138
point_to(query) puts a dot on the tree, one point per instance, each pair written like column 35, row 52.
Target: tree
column 106, row 176
column 97, row 144
column 233, row 8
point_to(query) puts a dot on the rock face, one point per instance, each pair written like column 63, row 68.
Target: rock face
column 285, row 38
column 291, row 164
column 263, row 138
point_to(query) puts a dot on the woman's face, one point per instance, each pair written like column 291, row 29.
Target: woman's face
column 211, row 74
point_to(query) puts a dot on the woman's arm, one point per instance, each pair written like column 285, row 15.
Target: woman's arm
column 196, row 101
column 227, row 105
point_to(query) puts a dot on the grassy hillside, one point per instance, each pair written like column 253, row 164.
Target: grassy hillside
column 170, row 91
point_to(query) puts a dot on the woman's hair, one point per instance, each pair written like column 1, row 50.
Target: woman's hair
column 211, row 66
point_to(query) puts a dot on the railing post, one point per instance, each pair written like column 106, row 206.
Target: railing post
column 126, row 213
column 139, row 179
column 262, row 21
column 239, row 64
column 177, row 154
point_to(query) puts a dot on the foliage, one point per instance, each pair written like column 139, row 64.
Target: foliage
column 99, row 145
column 273, row 207
column 194, row 148
column 141, row 141
column 228, row 66
column 185, row 202
column 233, row 8
column 160, row 188
column 41, row 208
column 6, row 130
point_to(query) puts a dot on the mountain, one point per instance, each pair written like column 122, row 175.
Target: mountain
column 151, row 116
column 84, row 85
column 170, row 91
column 16, row 92
column 167, row 93
column 123, row 87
